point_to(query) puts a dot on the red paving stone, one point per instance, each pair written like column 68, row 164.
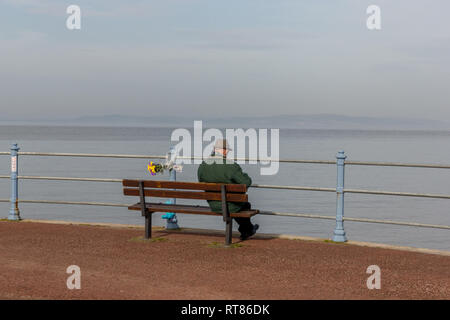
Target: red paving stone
column 34, row 258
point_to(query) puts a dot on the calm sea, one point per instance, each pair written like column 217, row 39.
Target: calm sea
column 399, row 146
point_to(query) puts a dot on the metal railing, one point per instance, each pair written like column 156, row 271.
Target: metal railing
column 338, row 234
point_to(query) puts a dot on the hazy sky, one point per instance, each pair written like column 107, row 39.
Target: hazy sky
column 239, row 57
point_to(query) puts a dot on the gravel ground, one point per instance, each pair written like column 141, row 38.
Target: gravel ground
column 116, row 263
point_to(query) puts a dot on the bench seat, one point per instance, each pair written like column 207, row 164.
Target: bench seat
column 189, row 209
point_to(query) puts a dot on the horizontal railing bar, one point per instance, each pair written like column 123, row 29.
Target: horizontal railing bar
column 302, row 215
column 269, row 160
column 412, row 224
column 403, row 194
column 292, row 188
column 272, row 160
column 87, row 203
column 70, row 179
column 93, row 155
column 367, row 163
column 397, row 164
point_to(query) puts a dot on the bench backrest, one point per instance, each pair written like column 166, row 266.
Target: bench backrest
column 185, row 190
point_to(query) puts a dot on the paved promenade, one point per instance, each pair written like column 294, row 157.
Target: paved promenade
column 117, row 264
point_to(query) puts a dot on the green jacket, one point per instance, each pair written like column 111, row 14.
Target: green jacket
column 218, row 171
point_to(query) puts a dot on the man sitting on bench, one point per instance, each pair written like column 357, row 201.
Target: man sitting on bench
column 219, row 170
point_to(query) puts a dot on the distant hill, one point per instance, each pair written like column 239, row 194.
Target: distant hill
column 314, row 121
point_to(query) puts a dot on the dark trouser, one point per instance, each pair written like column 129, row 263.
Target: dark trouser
column 245, row 226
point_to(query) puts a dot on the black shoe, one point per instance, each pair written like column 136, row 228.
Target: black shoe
column 245, row 236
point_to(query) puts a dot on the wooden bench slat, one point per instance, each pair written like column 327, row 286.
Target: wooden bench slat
column 233, row 197
column 189, row 209
column 236, row 188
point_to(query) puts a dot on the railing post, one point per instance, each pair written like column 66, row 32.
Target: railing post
column 172, row 223
column 339, row 232
column 14, row 213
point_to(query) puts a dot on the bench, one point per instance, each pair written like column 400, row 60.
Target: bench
column 186, row 190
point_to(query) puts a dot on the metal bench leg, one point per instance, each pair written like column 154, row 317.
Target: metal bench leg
column 148, row 225
column 228, row 232
column 226, row 215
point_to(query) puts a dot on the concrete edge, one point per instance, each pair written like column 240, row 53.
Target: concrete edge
column 236, row 234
